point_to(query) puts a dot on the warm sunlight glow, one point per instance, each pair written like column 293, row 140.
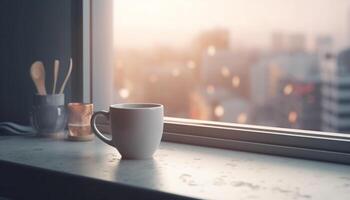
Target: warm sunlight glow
column 288, row 89
column 124, row 93
column 159, row 21
column 242, row 118
column 119, row 64
column 235, row 61
column 219, row 111
column 191, row 64
column 211, row 50
column 225, row 72
column 292, row 117
column 210, row 89
column 236, row 81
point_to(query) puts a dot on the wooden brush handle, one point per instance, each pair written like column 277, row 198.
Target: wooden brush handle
column 67, row 77
column 55, row 75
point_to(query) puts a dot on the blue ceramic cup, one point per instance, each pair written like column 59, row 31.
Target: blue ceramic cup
column 49, row 115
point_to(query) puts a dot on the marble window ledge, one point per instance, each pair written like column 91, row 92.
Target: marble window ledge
column 187, row 170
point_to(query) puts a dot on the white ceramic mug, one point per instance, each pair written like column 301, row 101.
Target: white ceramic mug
column 137, row 128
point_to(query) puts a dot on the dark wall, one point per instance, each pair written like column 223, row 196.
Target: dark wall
column 35, row 30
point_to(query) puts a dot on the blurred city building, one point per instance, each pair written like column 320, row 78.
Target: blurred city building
column 287, row 42
column 285, row 86
column 209, row 43
column 299, row 105
column 222, row 92
column 228, row 69
column 282, row 87
column 336, row 92
column 219, row 105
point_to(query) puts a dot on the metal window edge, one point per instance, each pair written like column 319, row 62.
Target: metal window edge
column 261, row 148
column 255, row 127
column 328, row 143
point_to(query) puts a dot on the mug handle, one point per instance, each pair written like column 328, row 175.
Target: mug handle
column 94, row 128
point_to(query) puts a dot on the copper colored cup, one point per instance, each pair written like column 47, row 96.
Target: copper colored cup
column 79, row 121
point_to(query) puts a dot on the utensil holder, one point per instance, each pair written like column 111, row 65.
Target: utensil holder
column 49, row 115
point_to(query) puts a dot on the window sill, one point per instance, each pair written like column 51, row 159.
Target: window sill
column 185, row 170
column 311, row 145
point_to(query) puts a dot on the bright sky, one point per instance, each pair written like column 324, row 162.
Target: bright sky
column 176, row 22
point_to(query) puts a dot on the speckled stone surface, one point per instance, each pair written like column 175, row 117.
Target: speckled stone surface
column 187, row 170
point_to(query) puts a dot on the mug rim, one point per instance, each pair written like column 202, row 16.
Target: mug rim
column 136, row 106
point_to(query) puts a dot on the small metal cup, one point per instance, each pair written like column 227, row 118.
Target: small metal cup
column 79, row 128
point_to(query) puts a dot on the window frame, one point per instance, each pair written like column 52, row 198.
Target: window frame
column 297, row 143
column 312, row 145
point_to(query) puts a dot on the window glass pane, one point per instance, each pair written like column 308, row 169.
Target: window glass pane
column 275, row 63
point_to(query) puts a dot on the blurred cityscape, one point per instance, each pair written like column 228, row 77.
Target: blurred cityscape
column 286, row 85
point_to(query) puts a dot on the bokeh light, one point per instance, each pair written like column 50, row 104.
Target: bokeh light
column 292, row 117
column 288, row 89
column 191, row 64
column 211, row 50
column 175, row 72
column 242, row 118
column 124, row 93
column 210, row 89
column 219, row 111
column 236, row 81
column 225, row 72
